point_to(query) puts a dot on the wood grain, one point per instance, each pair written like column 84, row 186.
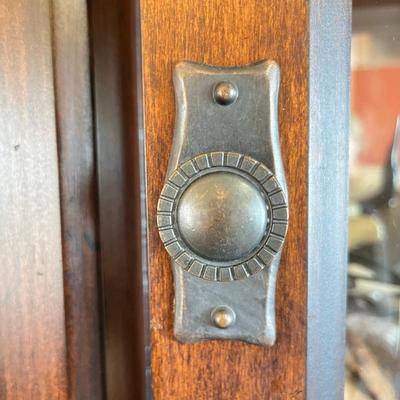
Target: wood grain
column 78, row 198
column 228, row 33
column 32, row 325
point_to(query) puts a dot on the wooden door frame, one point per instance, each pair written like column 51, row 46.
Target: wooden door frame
column 115, row 34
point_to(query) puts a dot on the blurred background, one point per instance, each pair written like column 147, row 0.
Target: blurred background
column 373, row 320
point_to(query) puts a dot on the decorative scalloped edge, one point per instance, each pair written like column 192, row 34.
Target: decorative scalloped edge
column 184, row 256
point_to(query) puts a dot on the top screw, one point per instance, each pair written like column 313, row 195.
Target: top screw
column 225, row 93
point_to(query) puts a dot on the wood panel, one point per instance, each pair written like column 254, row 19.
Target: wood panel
column 32, row 325
column 228, row 33
column 78, row 198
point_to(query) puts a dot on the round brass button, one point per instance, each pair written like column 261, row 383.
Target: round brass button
column 222, row 216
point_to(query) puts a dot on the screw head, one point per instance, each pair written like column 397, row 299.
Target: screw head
column 225, row 93
column 223, row 317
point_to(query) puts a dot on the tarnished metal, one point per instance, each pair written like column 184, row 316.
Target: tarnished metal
column 223, row 211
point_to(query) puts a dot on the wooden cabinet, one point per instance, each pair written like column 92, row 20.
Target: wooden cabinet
column 86, row 125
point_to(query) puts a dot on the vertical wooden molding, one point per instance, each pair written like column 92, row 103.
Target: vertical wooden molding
column 78, row 197
column 117, row 98
column 32, row 325
column 229, row 33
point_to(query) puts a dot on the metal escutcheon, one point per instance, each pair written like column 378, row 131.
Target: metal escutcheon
column 223, row 212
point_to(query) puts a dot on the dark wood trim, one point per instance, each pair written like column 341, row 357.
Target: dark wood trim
column 78, row 198
column 374, row 3
column 117, row 96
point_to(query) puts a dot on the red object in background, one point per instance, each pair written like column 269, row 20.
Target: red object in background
column 376, row 103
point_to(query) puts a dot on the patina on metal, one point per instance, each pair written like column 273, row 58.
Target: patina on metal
column 223, row 212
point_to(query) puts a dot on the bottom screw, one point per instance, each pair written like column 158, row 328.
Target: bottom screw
column 223, row 317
